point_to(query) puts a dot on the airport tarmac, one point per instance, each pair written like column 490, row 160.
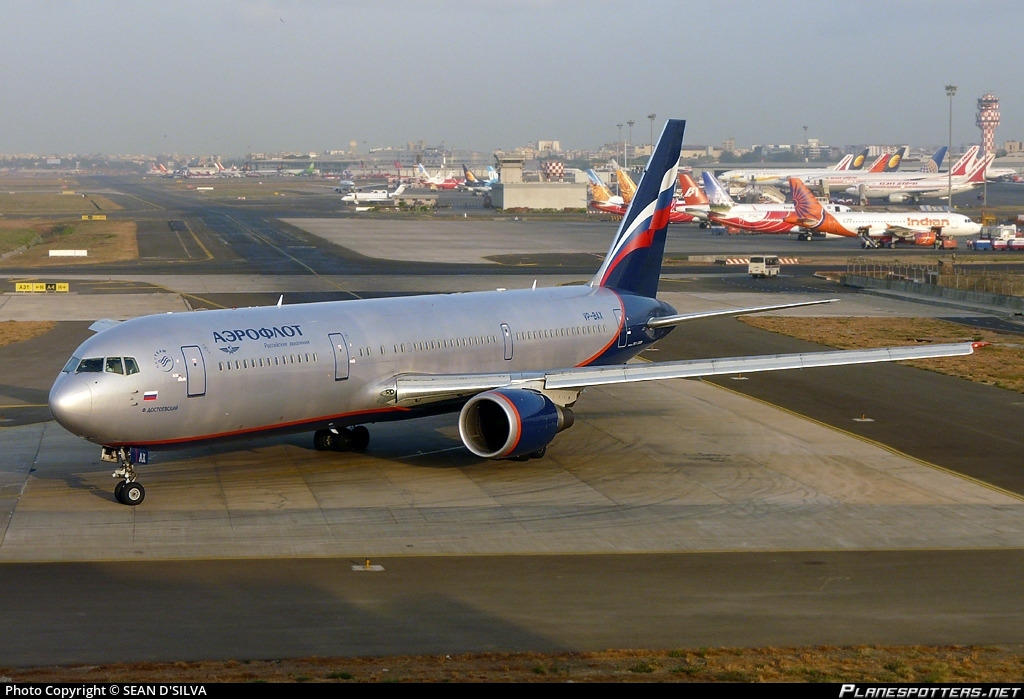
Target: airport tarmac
column 656, row 472
column 657, row 467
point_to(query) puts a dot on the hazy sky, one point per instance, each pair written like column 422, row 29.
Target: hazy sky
column 227, row 77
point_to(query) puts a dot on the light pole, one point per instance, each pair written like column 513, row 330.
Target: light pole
column 630, row 122
column 651, row 117
column 950, row 91
column 620, row 141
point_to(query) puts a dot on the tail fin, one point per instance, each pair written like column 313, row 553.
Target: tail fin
column 978, row 169
column 633, row 262
column 965, row 162
column 470, row 177
column 844, row 164
column 492, row 174
column 858, row 160
column 600, row 190
column 806, row 206
column 892, row 163
column 935, row 162
column 626, row 187
column 399, row 189
column 717, row 196
column 691, row 194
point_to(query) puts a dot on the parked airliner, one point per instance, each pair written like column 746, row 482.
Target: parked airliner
column 374, row 196
column 511, row 363
column 874, row 228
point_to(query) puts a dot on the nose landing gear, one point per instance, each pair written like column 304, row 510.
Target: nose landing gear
column 129, row 491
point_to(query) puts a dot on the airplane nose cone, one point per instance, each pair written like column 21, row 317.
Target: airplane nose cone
column 70, row 401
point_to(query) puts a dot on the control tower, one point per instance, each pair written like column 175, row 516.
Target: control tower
column 987, row 121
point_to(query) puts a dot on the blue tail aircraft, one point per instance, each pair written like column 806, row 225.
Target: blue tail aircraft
column 512, row 364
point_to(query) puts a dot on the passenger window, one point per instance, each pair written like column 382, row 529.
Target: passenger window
column 130, row 367
column 93, row 364
column 114, row 365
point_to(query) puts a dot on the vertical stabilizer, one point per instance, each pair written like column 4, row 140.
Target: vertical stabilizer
column 718, row 198
column 690, row 193
column 858, row 160
column 965, row 162
column 633, row 262
column 935, row 162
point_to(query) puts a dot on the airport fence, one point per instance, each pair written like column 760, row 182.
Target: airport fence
column 967, row 278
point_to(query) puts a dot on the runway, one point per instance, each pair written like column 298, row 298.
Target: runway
column 676, row 513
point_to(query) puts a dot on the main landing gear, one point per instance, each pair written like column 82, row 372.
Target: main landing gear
column 128, row 491
column 345, row 439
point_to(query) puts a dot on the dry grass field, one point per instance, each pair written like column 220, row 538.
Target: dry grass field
column 916, row 664
column 27, row 242
column 999, row 363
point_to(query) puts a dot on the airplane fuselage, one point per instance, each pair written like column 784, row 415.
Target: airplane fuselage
column 851, row 224
column 234, row 372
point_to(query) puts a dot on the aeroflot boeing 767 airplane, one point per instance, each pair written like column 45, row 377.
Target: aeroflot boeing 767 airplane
column 511, row 363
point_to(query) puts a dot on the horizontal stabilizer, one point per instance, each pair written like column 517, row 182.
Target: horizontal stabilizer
column 102, row 324
column 665, row 321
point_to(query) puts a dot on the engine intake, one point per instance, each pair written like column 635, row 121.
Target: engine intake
column 510, row 422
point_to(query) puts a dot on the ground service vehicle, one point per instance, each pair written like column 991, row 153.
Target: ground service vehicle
column 763, row 266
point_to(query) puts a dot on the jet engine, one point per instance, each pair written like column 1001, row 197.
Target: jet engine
column 925, row 238
column 900, row 198
column 510, row 422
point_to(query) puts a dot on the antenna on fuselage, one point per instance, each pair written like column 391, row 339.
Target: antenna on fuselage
column 280, row 301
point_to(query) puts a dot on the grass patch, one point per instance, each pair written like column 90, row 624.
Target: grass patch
column 12, row 331
column 105, row 241
column 33, row 203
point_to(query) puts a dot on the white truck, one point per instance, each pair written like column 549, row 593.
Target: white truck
column 761, row 266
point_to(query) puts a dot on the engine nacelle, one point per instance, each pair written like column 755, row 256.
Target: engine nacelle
column 925, row 238
column 900, row 198
column 509, row 422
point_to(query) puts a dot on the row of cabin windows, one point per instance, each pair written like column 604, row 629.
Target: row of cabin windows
column 561, row 332
column 233, row 364
column 452, row 343
column 440, row 344
column 111, row 365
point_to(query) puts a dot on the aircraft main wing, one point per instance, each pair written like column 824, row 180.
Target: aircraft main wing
column 412, row 389
column 902, row 231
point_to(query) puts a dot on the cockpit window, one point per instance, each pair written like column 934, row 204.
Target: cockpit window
column 114, row 365
column 130, row 367
column 71, row 365
column 90, row 365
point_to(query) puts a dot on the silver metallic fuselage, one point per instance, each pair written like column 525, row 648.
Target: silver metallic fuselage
column 233, row 372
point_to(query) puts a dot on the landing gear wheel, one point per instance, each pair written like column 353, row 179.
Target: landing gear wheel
column 360, row 438
column 126, row 491
column 132, row 494
column 342, row 440
column 324, row 440
column 539, row 454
